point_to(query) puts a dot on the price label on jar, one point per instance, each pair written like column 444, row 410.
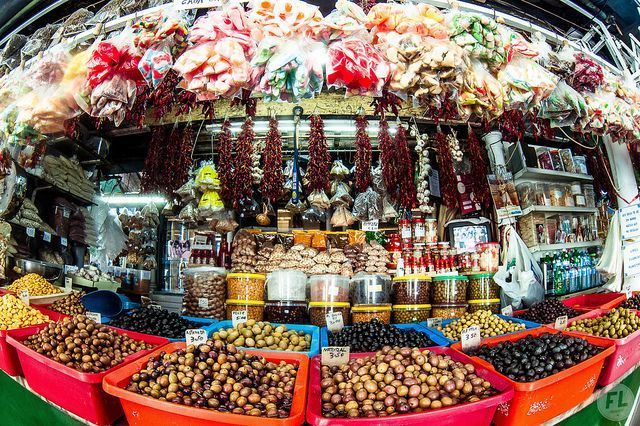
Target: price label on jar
column 369, row 225
column 203, row 303
column 470, row 338
column 94, row 316
column 335, row 355
column 374, row 288
column 68, row 282
column 24, row 296
column 335, row 322
column 195, row 336
column 507, row 311
column 561, row 322
column 46, row 237
column 63, row 241
column 434, row 322
column 31, row 232
column 238, row 317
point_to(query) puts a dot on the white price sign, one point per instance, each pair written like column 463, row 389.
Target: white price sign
column 335, row 322
column 238, row 317
column 31, row 232
column 434, row 322
column 631, row 258
column 626, row 288
column 154, row 306
column 46, row 237
column 507, row 311
column 470, row 338
column 369, row 225
column 335, row 355
column 203, row 303
column 561, row 322
column 195, row 336
column 24, row 296
column 68, row 283
column 195, row 4
column 94, row 316
column 630, row 222
column 63, row 241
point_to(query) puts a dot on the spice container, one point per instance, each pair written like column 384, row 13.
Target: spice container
column 482, row 286
column 431, row 230
column 254, row 308
column 286, row 312
column 394, row 247
column 241, row 286
column 319, row 310
column 449, row 289
column 489, row 256
column 526, row 194
column 568, row 197
column 411, row 290
column 365, row 313
column 204, row 292
column 449, row 310
column 492, row 305
column 589, row 195
column 405, row 314
column 542, row 194
column 287, row 284
column 371, row 290
column 419, row 231
column 557, row 195
column 329, row 288
column 406, row 233
column 580, row 164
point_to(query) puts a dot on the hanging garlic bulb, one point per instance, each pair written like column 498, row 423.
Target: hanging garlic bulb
column 424, row 170
column 454, row 146
column 256, row 170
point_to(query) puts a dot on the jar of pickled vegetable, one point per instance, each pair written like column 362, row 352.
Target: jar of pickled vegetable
column 406, row 314
column 482, row 286
column 318, row 312
column 365, row 313
column 254, row 308
column 450, row 310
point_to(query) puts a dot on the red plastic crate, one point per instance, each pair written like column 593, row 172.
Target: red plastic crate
column 475, row 413
column 580, row 311
column 536, row 402
column 595, row 301
column 143, row 410
column 625, row 355
column 79, row 393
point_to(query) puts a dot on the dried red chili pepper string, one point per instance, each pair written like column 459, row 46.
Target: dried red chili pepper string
column 407, row 197
column 250, row 104
column 511, row 124
column 186, row 102
column 225, row 164
column 478, row 170
column 184, row 161
column 540, row 127
column 164, row 96
column 243, row 164
column 387, row 102
column 363, row 155
column 152, row 168
column 448, row 184
column 389, row 170
column 319, row 157
column 71, row 128
column 136, row 114
column 587, row 75
column 444, row 111
column 272, row 183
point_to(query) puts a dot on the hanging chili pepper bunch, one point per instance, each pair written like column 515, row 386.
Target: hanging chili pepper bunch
column 250, row 104
column 587, row 75
column 511, row 124
column 423, row 170
column 478, row 170
column 404, row 166
column 386, row 103
column 363, row 155
column 387, row 155
column 448, row 182
column 164, row 96
column 136, row 114
column 243, row 164
column 154, row 162
column 319, row 157
column 444, row 110
column 272, row 183
column 225, row 164
column 181, row 160
column 540, row 127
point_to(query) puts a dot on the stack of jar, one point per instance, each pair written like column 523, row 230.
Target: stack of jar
column 245, row 292
column 286, row 297
column 483, row 293
column 485, row 258
column 411, row 299
column 371, row 298
column 329, row 295
column 415, row 249
column 449, row 296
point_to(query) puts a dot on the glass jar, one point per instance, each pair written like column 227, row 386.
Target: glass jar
column 526, row 194
column 492, row 305
column 365, row 313
column 482, row 286
column 394, row 247
column 411, row 290
column 254, row 308
column 286, row 312
column 406, row 233
column 568, row 197
column 464, row 261
column 287, row 284
column 557, row 195
column 449, row 310
column 589, row 195
column 431, row 230
column 329, row 288
column 489, row 256
column 580, row 164
column 318, row 312
column 419, row 231
column 406, row 314
column 542, row 194
column 205, row 289
column 241, row 286
column 449, row 289
column 370, row 289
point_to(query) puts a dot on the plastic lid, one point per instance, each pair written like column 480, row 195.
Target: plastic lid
column 327, row 277
column 205, row 268
column 408, row 307
column 329, row 304
column 246, row 275
column 413, row 277
column 286, row 302
column 449, row 277
column 449, row 305
column 480, row 274
column 245, row 302
column 370, row 308
column 482, row 301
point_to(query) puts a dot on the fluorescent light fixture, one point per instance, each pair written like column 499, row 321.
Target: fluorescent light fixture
column 331, row 127
column 133, row 199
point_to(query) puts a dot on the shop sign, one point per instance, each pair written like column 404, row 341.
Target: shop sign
column 631, row 259
column 630, row 222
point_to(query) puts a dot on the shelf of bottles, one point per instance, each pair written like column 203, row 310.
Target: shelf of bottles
column 570, row 271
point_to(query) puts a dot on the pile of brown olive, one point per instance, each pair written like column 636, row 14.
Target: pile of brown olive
column 546, row 311
column 70, row 305
column 219, row 377
column 616, row 324
column 631, row 303
column 81, row 344
column 399, row 381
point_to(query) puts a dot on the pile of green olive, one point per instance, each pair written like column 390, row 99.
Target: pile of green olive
column 264, row 335
column 616, row 324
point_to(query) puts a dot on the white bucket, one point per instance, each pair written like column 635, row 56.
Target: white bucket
column 493, row 142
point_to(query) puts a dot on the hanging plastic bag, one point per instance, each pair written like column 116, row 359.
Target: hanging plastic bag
column 338, row 171
column 385, row 19
column 342, row 217
column 341, row 196
column 346, row 20
column 211, row 202
column 284, row 18
column 482, row 95
column 368, row 206
column 479, row 36
column 610, row 263
column 563, row 107
column 207, row 177
column 318, row 199
column 314, row 214
column 526, row 83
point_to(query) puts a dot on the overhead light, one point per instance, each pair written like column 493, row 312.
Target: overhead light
column 331, row 126
column 133, row 199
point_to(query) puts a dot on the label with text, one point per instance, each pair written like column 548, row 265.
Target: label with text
column 195, row 336
column 24, row 296
column 630, row 222
column 434, row 322
column 195, row 4
column 335, row 322
column 203, row 303
column 370, row 225
column 68, row 283
column 561, row 322
column 31, row 232
column 63, row 242
column 94, row 316
column 631, row 258
column 46, row 237
column 507, row 311
column 238, row 317
column 154, row 306
column 470, row 338
column 335, row 355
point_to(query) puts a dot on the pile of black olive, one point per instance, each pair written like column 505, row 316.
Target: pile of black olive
column 546, row 311
column 632, row 303
column 534, row 358
column 158, row 322
column 374, row 335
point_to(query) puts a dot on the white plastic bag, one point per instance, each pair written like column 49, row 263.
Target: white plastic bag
column 610, row 264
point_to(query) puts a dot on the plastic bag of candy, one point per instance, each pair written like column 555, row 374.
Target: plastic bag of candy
column 516, row 45
column 284, row 18
column 478, row 35
column 482, row 94
column 348, row 19
column 561, row 62
column 526, row 83
column 563, row 107
column 406, row 18
column 230, row 21
column 49, row 69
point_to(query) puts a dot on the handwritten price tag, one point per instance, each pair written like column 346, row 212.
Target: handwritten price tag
column 46, row 237
column 434, row 322
column 370, row 225
column 627, row 290
column 335, row 355
column 68, row 283
column 507, row 311
column 24, row 296
column 63, row 241
column 154, row 306
column 335, row 322
column 238, row 317
column 203, row 303
column 561, row 322
column 470, row 338
column 94, row 316
column 195, row 336
column 31, row 232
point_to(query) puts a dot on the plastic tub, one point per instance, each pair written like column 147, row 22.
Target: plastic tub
column 449, row 289
column 286, row 312
column 143, row 411
column 435, row 338
column 534, row 403
column 625, row 355
column 411, row 290
column 528, row 326
column 254, row 308
column 406, row 314
column 241, row 286
column 448, row 310
column 482, row 286
column 205, row 290
column 492, row 305
column 365, row 313
column 370, row 290
column 48, row 298
column 202, row 323
column 79, row 393
column 287, row 284
column 329, row 288
column 595, row 301
column 475, row 413
column 308, row 329
column 318, row 312
column 105, row 302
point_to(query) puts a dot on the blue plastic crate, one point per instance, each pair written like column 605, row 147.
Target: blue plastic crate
column 438, row 339
column 203, row 322
column 528, row 325
column 309, row 329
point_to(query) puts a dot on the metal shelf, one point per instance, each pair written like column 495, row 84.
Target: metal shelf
column 543, row 175
column 564, row 246
column 559, row 210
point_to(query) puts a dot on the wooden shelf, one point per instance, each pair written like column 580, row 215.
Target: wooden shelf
column 559, row 210
column 564, row 246
column 542, row 175
column 44, row 184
